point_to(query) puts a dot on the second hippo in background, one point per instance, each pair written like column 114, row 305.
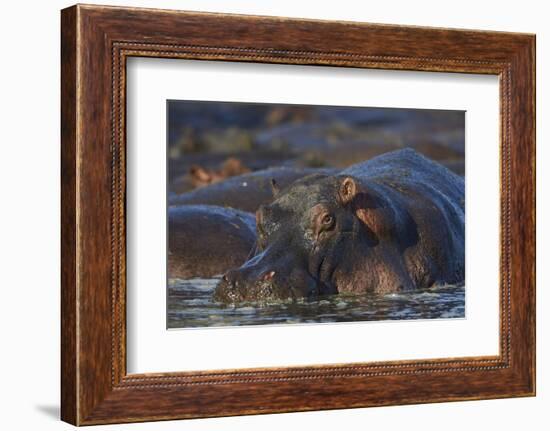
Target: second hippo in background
column 205, row 240
column 244, row 192
column 200, row 176
column 395, row 222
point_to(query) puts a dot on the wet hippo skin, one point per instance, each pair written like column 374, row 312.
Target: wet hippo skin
column 205, row 240
column 244, row 192
column 395, row 222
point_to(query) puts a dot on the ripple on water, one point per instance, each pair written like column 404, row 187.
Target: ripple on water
column 190, row 305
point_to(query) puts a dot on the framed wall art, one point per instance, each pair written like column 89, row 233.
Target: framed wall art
column 264, row 215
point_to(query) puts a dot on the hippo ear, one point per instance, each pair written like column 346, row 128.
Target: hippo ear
column 348, row 190
column 199, row 174
column 275, row 187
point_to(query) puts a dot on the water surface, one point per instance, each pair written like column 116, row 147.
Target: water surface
column 190, row 305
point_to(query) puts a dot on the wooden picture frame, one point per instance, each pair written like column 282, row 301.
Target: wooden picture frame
column 95, row 43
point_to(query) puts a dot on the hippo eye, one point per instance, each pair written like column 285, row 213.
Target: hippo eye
column 327, row 220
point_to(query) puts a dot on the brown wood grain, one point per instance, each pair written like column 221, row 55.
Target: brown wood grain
column 96, row 41
column 68, row 217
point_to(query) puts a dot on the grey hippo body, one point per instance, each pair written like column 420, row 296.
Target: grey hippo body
column 205, row 240
column 395, row 222
column 244, row 192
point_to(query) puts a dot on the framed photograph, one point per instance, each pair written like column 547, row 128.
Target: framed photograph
column 264, row 215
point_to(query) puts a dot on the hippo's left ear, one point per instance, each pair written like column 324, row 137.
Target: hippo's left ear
column 275, row 189
column 348, row 189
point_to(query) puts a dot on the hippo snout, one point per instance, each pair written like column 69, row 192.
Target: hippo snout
column 238, row 285
column 253, row 284
column 235, row 278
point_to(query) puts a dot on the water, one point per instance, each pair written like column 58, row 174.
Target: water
column 190, row 305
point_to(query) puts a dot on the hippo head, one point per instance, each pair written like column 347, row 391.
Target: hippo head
column 303, row 236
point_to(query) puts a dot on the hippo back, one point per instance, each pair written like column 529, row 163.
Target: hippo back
column 243, row 192
column 406, row 169
column 206, row 240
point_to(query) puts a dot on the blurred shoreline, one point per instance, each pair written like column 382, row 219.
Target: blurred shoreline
column 205, row 137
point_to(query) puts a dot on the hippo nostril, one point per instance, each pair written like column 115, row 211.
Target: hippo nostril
column 268, row 276
column 231, row 279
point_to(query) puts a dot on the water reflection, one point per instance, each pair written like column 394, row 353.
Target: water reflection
column 190, row 305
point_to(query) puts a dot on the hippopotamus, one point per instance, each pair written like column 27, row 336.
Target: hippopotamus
column 200, row 176
column 205, row 240
column 243, row 192
column 392, row 223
